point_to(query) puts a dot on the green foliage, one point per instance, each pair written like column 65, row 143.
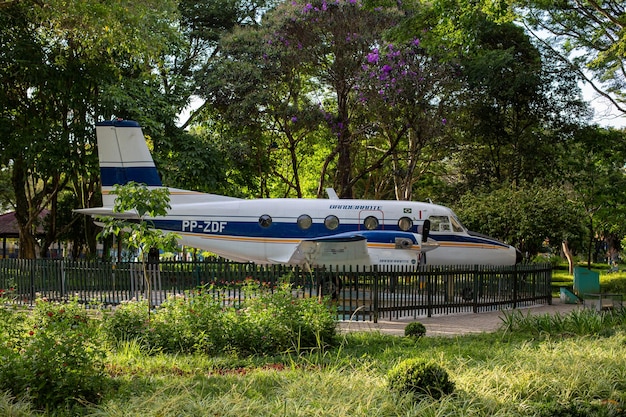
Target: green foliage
column 580, row 322
column 128, row 322
column 52, row 357
column 147, row 204
column 193, row 324
column 420, row 377
column 277, row 322
column 266, row 323
column 524, row 216
column 589, row 35
column 415, row 329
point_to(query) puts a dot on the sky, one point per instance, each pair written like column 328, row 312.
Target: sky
column 605, row 114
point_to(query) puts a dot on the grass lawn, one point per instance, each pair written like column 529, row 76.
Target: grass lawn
column 570, row 365
column 517, row 372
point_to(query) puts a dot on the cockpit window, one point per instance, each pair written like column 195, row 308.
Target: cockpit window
column 457, row 226
column 439, row 224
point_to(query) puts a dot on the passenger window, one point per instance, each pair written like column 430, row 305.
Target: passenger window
column 370, row 223
column 439, row 223
column 265, row 220
column 305, row 221
column 331, row 222
column 405, row 224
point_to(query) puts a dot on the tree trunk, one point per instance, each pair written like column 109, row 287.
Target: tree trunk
column 28, row 244
column 570, row 258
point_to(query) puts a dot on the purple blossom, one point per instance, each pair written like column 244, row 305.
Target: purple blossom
column 416, row 42
column 294, row 119
column 372, row 57
column 444, row 121
column 387, row 68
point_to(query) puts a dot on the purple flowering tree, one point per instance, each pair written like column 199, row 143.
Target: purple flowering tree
column 318, row 82
column 405, row 91
column 334, row 37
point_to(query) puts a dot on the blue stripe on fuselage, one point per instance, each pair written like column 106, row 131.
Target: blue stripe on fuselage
column 278, row 230
column 121, row 175
column 453, row 238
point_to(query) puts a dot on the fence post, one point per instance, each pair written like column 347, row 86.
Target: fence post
column 429, row 289
column 475, row 285
column 374, row 269
column 33, row 264
column 515, row 286
column 63, row 288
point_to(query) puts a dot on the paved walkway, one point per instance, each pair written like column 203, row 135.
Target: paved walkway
column 455, row 324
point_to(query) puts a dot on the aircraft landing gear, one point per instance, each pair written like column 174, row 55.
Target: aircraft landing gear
column 331, row 286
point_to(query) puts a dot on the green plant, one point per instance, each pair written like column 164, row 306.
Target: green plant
column 140, row 235
column 128, row 321
column 419, row 376
column 188, row 324
column 57, row 359
column 415, row 329
column 275, row 321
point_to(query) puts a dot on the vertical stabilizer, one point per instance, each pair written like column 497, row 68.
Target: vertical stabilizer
column 124, row 157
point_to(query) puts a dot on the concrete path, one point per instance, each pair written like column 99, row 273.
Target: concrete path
column 455, row 324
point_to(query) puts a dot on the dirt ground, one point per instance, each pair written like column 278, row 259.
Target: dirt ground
column 455, row 324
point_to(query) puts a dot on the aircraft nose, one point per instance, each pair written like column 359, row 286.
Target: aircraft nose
column 518, row 256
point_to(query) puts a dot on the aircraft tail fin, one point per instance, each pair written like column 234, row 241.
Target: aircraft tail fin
column 124, row 157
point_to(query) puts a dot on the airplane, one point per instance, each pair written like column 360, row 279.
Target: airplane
column 308, row 232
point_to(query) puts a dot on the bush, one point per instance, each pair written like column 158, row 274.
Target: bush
column 129, row 321
column 56, row 359
column 276, row 322
column 266, row 323
column 187, row 325
column 419, row 376
column 415, row 329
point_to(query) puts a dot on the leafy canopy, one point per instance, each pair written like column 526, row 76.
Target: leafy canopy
column 142, row 205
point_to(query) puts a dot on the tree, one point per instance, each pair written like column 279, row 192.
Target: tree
column 524, row 216
column 517, row 106
column 594, row 173
column 406, row 96
column 317, row 86
column 59, row 62
column 589, row 35
column 139, row 232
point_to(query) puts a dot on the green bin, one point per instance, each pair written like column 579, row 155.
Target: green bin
column 586, row 282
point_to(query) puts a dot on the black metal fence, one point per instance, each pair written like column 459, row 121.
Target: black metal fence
column 367, row 293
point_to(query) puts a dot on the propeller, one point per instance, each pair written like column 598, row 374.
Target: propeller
column 425, row 230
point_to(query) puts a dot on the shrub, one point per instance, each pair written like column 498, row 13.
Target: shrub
column 419, row 376
column 276, row 322
column 266, row 323
column 188, row 324
column 129, row 321
column 415, row 329
column 56, row 360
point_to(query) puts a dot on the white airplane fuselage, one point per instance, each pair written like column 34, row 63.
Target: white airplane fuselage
column 295, row 231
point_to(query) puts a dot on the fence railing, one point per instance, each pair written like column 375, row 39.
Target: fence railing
column 366, row 293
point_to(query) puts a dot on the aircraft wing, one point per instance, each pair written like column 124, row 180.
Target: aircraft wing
column 332, row 250
column 107, row 211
